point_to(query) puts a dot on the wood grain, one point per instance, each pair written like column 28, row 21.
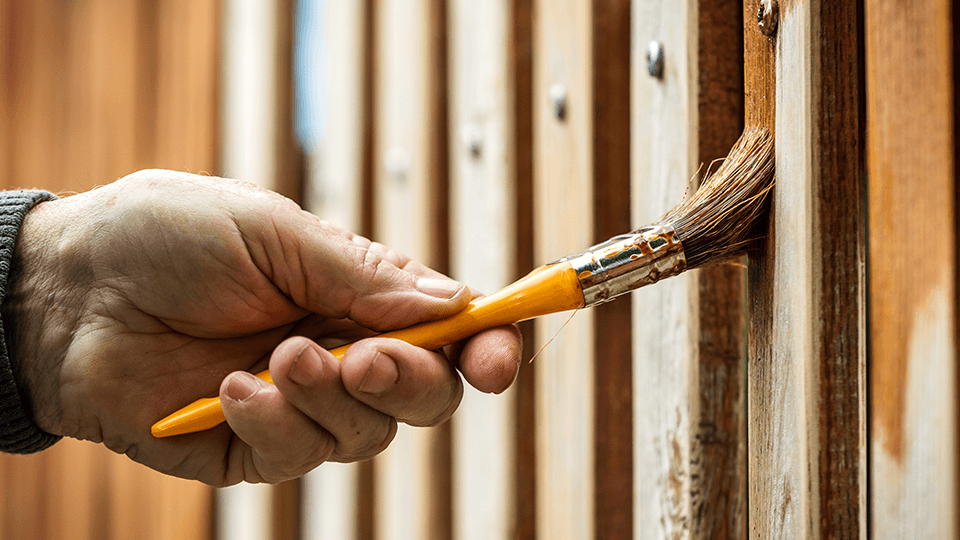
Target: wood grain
column 719, row 499
column 806, row 374
column 911, row 161
column 689, row 350
column 839, row 257
column 663, row 117
column 563, row 213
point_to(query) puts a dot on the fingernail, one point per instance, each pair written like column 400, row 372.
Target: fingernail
column 439, row 288
column 242, row 386
column 382, row 375
column 307, row 367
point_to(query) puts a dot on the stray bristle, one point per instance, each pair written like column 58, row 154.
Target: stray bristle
column 716, row 222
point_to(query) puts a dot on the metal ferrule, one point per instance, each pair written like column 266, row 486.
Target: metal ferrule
column 627, row 262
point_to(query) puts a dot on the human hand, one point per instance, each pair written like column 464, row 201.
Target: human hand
column 134, row 299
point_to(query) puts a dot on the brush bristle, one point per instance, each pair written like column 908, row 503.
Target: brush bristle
column 715, row 224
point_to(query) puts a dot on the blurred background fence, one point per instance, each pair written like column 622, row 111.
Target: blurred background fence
column 486, row 137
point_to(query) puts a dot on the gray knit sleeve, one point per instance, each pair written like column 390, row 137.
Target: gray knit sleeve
column 18, row 432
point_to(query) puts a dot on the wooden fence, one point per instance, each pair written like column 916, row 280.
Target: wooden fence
column 808, row 391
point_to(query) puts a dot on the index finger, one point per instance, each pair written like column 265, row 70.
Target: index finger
column 337, row 274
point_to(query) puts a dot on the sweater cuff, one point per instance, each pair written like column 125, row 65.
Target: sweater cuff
column 19, row 434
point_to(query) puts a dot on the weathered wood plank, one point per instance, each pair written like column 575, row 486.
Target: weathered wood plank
column 521, row 75
column 563, row 213
column 248, row 151
column 410, row 487
column 912, row 193
column 483, row 250
column 719, row 500
column 839, row 257
column 690, row 351
column 664, row 120
column 806, row 374
column 612, row 340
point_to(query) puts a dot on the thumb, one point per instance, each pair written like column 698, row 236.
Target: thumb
column 330, row 271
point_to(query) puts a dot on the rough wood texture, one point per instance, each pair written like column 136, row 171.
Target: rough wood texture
column 483, row 251
column 806, row 374
column 412, row 487
column 839, row 256
column 913, row 267
column 103, row 88
column 689, row 350
column 563, row 213
column 719, row 497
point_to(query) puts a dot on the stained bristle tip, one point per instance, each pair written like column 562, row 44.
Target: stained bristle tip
column 716, row 223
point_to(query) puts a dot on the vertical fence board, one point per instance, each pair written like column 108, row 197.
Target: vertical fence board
column 333, row 192
column 186, row 94
column 664, row 120
column 839, row 273
column 719, row 464
column 81, row 84
column 612, row 340
column 782, row 481
column 8, row 33
column 248, row 152
column 689, row 353
column 563, row 216
column 806, row 374
column 184, row 87
column 286, row 522
column 406, row 477
column 521, row 76
column 483, row 250
column 913, row 268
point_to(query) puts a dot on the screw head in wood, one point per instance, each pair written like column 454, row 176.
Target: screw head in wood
column 472, row 139
column 655, row 59
column 558, row 98
column 768, row 17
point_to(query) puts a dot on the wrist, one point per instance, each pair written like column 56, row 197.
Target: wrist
column 39, row 314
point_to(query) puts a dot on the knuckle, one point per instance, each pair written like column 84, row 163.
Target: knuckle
column 368, row 265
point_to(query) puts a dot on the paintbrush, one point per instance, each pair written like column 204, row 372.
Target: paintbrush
column 714, row 225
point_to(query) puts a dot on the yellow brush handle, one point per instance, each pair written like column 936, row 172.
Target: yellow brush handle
column 548, row 289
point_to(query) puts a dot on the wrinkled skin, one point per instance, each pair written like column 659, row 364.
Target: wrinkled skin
column 134, row 299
